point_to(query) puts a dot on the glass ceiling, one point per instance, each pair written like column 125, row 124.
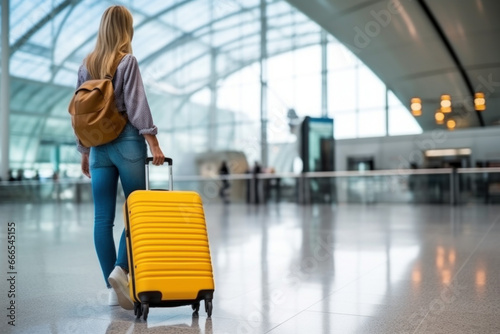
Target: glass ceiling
column 51, row 38
column 180, row 45
column 175, row 42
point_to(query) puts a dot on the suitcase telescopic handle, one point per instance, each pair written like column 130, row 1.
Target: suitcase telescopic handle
column 170, row 176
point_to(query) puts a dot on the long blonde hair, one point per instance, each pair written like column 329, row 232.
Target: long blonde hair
column 113, row 40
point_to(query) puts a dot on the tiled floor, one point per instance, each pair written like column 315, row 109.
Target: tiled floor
column 278, row 269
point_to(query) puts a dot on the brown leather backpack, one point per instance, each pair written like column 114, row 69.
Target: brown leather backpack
column 94, row 116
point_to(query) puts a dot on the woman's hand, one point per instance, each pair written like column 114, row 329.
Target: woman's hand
column 154, row 147
column 85, row 165
column 158, row 157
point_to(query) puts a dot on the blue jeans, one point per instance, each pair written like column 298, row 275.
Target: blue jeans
column 124, row 158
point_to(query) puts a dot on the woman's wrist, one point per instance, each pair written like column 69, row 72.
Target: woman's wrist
column 152, row 140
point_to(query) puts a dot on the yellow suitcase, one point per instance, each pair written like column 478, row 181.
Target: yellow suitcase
column 168, row 250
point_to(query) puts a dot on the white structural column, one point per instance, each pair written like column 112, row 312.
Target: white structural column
column 324, row 73
column 386, row 111
column 5, row 93
column 263, row 83
column 212, row 111
column 212, row 126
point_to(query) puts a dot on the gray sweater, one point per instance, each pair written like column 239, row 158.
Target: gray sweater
column 130, row 96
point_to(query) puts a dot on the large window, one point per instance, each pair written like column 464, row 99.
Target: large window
column 200, row 62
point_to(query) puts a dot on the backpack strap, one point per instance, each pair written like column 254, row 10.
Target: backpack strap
column 114, row 67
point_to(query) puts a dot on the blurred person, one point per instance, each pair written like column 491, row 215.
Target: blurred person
column 257, row 169
column 11, row 175
column 223, row 192
column 20, row 175
column 123, row 157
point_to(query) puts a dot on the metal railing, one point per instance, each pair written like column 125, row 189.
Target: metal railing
column 444, row 186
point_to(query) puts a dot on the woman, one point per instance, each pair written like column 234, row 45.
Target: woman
column 124, row 157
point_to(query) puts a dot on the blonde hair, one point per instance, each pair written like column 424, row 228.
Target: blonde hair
column 114, row 40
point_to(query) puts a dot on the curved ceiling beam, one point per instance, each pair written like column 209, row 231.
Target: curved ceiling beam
column 168, row 25
column 189, row 35
column 249, row 62
column 55, row 69
column 144, row 22
column 452, row 53
column 229, row 50
column 33, row 30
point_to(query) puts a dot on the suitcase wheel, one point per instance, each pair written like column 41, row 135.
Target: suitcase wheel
column 145, row 310
column 208, row 307
column 141, row 310
column 196, row 308
column 137, row 310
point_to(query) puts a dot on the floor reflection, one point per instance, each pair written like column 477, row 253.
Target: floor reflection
column 138, row 326
column 280, row 269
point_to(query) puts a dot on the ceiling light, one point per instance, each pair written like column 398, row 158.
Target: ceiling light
column 439, row 116
column 451, row 124
column 445, row 103
column 479, row 102
column 416, row 106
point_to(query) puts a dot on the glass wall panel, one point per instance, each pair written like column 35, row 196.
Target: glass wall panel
column 193, row 15
column 247, row 140
column 295, row 82
column 142, row 43
column 80, row 26
column 345, row 124
column 371, row 93
column 339, row 57
column 23, row 124
column 30, row 66
column 371, row 123
column 18, row 148
column 278, row 130
column 176, row 43
column 308, row 96
column 25, row 14
column 241, row 93
column 225, row 135
column 401, row 122
column 342, row 91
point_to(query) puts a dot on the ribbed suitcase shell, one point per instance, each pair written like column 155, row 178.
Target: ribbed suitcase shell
column 168, row 248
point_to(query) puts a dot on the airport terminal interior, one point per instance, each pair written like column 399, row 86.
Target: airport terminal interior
column 345, row 151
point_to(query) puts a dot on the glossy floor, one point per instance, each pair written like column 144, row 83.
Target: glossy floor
column 278, row 269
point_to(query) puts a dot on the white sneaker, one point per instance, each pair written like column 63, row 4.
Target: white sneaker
column 119, row 281
column 112, row 297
